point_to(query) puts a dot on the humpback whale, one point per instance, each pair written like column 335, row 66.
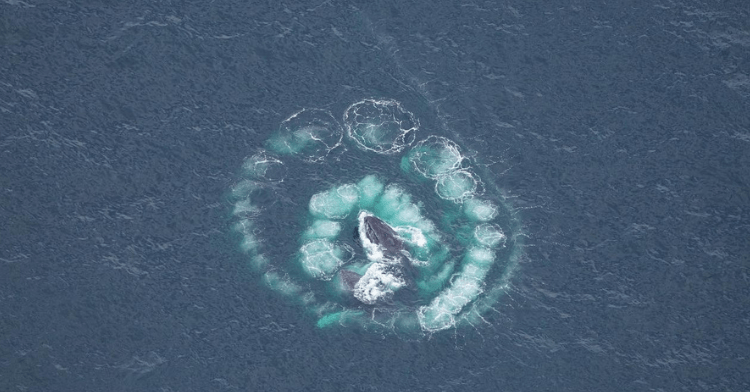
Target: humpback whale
column 380, row 234
column 386, row 251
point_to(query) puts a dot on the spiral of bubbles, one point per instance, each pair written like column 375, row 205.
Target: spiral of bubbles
column 410, row 243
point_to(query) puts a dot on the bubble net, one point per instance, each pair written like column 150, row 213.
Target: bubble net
column 304, row 227
column 309, row 133
column 381, row 126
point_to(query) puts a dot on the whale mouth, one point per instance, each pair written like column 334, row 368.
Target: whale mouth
column 380, row 241
column 386, row 251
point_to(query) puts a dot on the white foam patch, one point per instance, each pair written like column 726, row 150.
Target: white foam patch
column 373, row 135
column 479, row 210
column 244, row 226
column 335, row 203
column 441, row 312
column 349, row 194
column 321, row 259
column 311, row 133
column 376, row 284
column 426, row 226
column 465, row 286
column 412, row 235
column 436, row 280
column 243, row 188
column 395, row 204
column 260, row 262
column 456, row 186
column 408, row 214
column 370, row 189
column 380, row 126
column 264, row 166
column 249, row 243
column 323, row 229
column 480, row 256
column 471, row 274
column 489, row 235
column 436, row 156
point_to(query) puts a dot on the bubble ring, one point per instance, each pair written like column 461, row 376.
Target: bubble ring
column 456, row 185
column 381, row 126
column 436, row 156
column 404, row 272
column 311, row 133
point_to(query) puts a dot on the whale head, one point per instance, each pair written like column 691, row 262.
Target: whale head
column 379, row 238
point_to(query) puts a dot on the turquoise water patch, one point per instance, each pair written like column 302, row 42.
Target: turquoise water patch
column 334, row 203
column 438, row 252
column 456, row 185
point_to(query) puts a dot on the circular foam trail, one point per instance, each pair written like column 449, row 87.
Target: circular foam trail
column 309, row 133
column 323, row 229
column 381, row 126
column 456, row 185
column 489, row 235
column 480, row 210
column 264, row 166
column 355, row 243
column 321, row 258
column 435, row 156
column 335, row 203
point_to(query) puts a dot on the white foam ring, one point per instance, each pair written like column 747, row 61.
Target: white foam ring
column 311, row 133
column 381, row 126
column 436, row 156
column 265, row 166
column 456, row 287
column 456, row 185
column 321, row 258
column 412, row 235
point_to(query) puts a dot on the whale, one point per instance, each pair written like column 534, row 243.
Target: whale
column 373, row 230
column 387, row 271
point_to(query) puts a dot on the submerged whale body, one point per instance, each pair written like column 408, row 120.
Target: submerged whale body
column 349, row 279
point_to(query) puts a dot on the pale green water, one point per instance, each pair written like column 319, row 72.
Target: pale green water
column 456, row 234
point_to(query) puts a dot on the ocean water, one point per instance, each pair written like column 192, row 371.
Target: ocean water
column 179, row 183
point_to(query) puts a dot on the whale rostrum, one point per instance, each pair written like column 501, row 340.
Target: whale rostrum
column 386, row 251
column 382, row 235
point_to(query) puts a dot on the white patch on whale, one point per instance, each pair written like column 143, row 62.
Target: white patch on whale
column 378, row 283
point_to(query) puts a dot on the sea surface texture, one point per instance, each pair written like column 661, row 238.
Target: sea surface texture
column 375, row 196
